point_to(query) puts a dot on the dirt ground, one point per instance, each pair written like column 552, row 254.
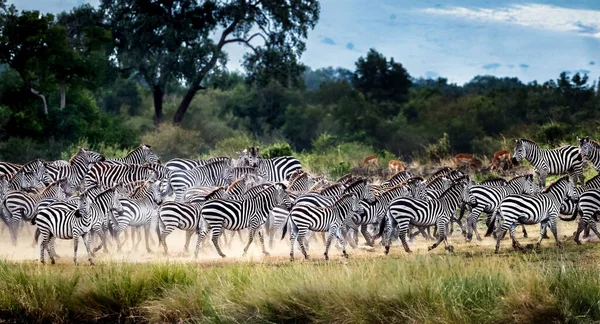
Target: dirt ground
column 26, row 251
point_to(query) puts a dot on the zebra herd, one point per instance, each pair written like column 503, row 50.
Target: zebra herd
column 91, row 197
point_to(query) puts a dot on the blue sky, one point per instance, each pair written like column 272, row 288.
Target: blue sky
column 533, row 40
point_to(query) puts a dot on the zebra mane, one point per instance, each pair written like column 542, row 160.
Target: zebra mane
column 234, row 183
column 79, row 152
column 135, row 150
column 355, row 183
column 414, row 179
column 594, row 143
column 54, row 183
column 493, row 180
column 139, row 188
column 213, row 193
column 390, row 189
column 555, row 183
column 330, row 187
column 436, row 180
column 266, row 188
column 440, row 171
column 524, row 140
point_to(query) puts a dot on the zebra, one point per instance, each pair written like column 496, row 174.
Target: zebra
column 589, row 208
column 76, row 170
column 139, row 209
column 211, row 174
column 590, row 150
column 107, row 175
column 374, row 213
column 485, row 199
column 276, row 169
column 188, row 164
column 280, row 214
column 9, row 169
column 329, row 219
column 565, row 159
column 102, row 203
column 396, row 179
column 185, row 216
column 18, row 205
column 234, row 215
column 141, row 155
column 541, row 208
column 64, row 224
column 403, row 212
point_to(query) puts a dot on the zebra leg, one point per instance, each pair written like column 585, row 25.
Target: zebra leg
column 293, row 236
column 301, row 241
column 87, row 243
column 188, row 237
column 442, row 236
column 147, row 237
column 594, row 228
column 499, row 235
column 216, row 232
column 544, row 235
column 201, row 235
column 580, row 227
column 543, row 226
column 162, row 239
column 52, row 247
column 250, row 239
column 330, row 235
column 262, row 242
column 552, row 222
column 365, row 233
column 75, row 244
column 402, row 235
column 340, row 236
column 472, row 219
column 43, row 247
column 513, row 236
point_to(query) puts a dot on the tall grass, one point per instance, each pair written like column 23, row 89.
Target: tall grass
column 551, row 286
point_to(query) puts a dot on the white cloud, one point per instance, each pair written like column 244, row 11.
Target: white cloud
column 547, row 17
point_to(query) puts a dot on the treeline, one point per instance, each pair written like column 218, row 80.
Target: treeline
column 113, row 80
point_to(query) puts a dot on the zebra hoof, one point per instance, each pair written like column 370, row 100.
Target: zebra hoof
column 387, row 250
column 479, row 239
column 92, row 263
column 346, row 255
column 450, row 248
column 430, row 248
column 267, row 253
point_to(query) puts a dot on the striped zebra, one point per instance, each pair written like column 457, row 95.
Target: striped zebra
column 541, row 208
column 139, row 209
column 102, row 202
column 568, row 207
column 9, row 169
column 565, row 159
column 188, row 164
column 326, row 197
column 374, row 213
column 422, row 213
column 589, row 207
column 182, row 215
column 106, row 175
column 276, row 169
column 396, row 179
column 235, row 215
column 330, row 219
column 65, row 224
column 76, row 170
column 141, row 155
column 21, row 205
column 210, row 175
column 485, row 199
column 590, row 150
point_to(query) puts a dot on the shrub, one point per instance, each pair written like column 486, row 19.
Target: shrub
column 172, row 141
column 276, row 150
column 438, row 151
column 229, row 146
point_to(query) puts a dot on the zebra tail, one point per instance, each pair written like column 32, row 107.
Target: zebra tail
column 463, row 207
column 36, row 236
column 159, row 222
column 285, row 227
column 492, row 224
column 382, row 226
column 573, row 217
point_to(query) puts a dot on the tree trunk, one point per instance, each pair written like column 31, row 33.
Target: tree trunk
column 185, row 103
column 39, row 94
column 63, row 94
column 157, row 95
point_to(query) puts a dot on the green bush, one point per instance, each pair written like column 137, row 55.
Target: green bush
column 228, row 146
column 276, row 150
column 174, row 142
column 438, row 151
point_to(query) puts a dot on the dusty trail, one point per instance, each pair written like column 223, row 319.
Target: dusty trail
column 27, row 252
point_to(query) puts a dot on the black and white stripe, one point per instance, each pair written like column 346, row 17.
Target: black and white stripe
column 563, row 160
column 541, row 208
column 591, row 151
column 235, row 215
column 76, row 170
column 141, row 155
column 404, row 212
column 210, row 175
column 331, row 219
column 106, row 175
column 188, row 164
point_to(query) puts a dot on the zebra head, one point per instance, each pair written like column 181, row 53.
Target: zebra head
column 149, row 155
column 253, row 158
column 243, row 159
column 155, row 191
column 585, row 145
column 91, row 156
column 66, row 188
column 519, row 152
column 281, row 196
column 417, row 187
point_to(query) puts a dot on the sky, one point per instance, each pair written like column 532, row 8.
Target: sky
column 455, row 39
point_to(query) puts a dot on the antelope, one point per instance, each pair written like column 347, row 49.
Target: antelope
column 501, row 158
column 467, row 159
column 370, row 160
column 395, row 166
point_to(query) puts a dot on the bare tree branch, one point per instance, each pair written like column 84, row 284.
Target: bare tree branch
column 39, row 94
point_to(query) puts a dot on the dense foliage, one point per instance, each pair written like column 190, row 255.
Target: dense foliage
column 82, row 76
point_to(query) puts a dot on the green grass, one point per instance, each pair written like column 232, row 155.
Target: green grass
column 468, row 287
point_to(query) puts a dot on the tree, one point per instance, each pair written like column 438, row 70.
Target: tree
column 167, row 39
column 381, row 80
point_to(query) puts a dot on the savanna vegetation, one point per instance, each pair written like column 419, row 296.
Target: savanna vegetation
column 107, row 79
